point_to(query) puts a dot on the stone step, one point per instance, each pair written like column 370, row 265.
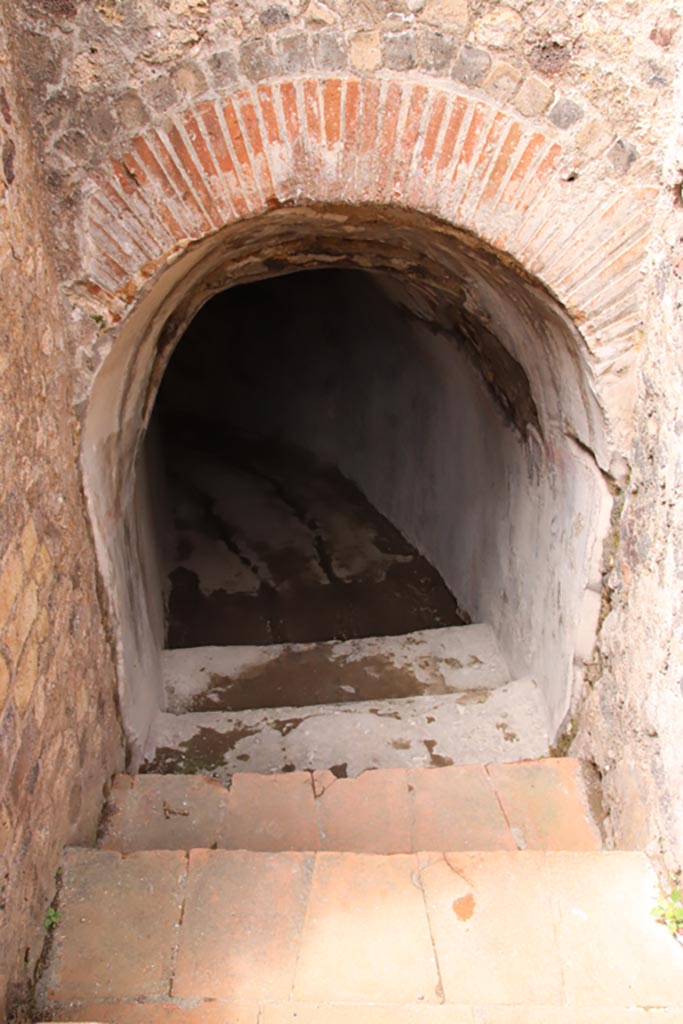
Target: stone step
column 236, row 937
column 473, row 727
column 540, row 805
column 215, row 1012
column 423, row 663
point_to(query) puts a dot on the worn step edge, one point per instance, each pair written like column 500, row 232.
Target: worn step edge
column 548, row 804
column 425, row 662
column 474, row 727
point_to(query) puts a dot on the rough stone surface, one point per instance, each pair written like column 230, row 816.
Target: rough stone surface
column 534, row 96
column 632, row 718
column 503, row 79
column 400, row 50
column 59, row 737
column 565, row 113
column 438, row 51
column 446, row 13
column 365, row 51
column 472, row 65
column 499, row 28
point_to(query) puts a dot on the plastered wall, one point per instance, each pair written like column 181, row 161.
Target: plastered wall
column 327, row 361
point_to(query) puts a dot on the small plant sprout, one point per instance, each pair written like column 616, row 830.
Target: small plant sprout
column 669, row 911
column 51, row 918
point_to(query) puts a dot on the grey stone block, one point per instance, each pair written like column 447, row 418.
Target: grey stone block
column 329, row 50
column 565, row 113
column 295, row 53
column 223, row 67
column 622, row 155
column 160, row 93
column 257, row 60
column 437, row 51
column 274, row 16
column 399, row 50
column 472, row 65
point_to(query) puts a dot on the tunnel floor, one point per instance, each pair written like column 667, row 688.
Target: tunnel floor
column 270, row 547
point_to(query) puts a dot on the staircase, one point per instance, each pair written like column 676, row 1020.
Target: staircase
column 473, row 893
column 430, row 698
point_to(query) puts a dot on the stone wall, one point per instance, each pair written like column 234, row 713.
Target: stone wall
column 632, row 723
column 59, row 736
column 537, row 125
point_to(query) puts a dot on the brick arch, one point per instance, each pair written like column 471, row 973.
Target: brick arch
column 390, row 141
column 466, row 199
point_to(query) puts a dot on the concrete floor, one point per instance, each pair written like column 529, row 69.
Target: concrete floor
column 272, row 548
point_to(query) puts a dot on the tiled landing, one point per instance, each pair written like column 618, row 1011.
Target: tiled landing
column 221, row 937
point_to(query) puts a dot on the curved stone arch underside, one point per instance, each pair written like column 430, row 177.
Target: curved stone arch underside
column 463, row 204
column 357, row 141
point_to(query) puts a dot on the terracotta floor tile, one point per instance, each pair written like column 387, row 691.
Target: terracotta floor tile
column 164, row 812
column 366, row 937
column 545, row 804
column 492, row 927
column 159, row 1013
column 613, row 952
column 368, row 814
column 242, row 925
column 270, row 813
column 456, row 809
column 117, row 932
column 324, row 1013
column 574, row 1015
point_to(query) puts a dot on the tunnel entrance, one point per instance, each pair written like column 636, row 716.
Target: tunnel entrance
column 269, row 542
column 346, row 427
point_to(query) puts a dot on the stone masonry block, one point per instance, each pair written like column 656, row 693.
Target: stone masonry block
column 223, row 66
column 365, row 51
column 329, row 50
column 29, row 542
column 437, row 51
column 11, row 577
column 400, row 50
column 160, row 93
column 565, row 113
column 294, row 53
column 26, row 678
column 4, row 682
column 130, row 111
column 257, row 60
column 274, row 16
column 446, row 13
column 502, row 80
column 594, row 137
column 534, row 97
column 472, row 65
column 189, row 78
column 622, row 155
column 499, row 28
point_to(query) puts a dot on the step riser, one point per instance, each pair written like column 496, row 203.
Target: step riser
column 533, row 805
column 476, row 727
column 423, row 663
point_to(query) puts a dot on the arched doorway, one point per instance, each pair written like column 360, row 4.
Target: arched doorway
column 476, row 430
